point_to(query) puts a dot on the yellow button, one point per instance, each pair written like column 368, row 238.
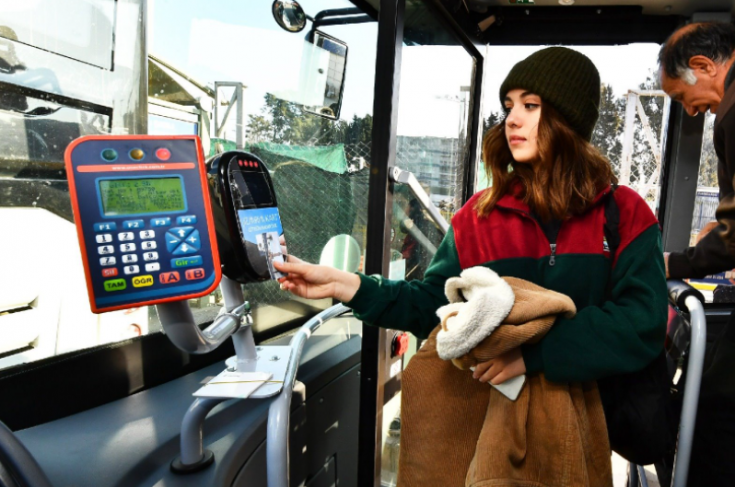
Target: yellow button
column 143, row 281
column 115, row 285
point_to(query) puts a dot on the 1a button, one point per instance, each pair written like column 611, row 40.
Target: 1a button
column 104, row 238
column 169, row 277
column 115, row 285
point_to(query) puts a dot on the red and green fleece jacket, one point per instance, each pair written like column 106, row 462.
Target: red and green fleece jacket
column 621, row 299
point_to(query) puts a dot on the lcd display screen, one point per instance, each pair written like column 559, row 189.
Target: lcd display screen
column 140, row 196
column 250, row 189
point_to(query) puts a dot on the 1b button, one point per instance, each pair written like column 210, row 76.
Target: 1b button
column 194, row 274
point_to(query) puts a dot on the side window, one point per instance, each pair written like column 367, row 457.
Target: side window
column 633, row 111
column 718, row 288
column 234, row 92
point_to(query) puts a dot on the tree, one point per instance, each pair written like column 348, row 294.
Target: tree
column 492, row 120
column 608, row 132
column 259, row 128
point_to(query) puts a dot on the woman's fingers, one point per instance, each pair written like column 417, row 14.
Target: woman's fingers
column 481, row 368
column 493, row 371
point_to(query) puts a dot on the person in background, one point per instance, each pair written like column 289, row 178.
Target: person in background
column 697, row 69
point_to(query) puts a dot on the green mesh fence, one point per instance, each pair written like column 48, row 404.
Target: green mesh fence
column 315, row 204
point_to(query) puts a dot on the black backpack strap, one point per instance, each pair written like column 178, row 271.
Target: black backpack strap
column 612, row 222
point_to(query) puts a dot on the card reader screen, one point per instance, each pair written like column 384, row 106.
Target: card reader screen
column 139, row 196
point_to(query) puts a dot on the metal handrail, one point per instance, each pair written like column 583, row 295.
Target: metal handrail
column 399, row 175
column 280, row 409
column 688, row 299
column 695, row 366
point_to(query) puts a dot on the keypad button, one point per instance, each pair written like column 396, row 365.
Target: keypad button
column 180, row 232
column 128, row 247
column 106, row 249
column 143, row 281
column 131, row 269
column 149, row 256
column 160, row 222
column 125, row 236
column 105, row 261
column 133, row 224
column 169, row 277
column 194, row 274
column 105, row 227
column 172, row 242
column 115, row 285
column 148, row 245
column 184, row 249
column 104, row 238
column 193, row 240
column 111, row 272
column 152, row 267
column 186, row 220
column 145, row 234
column 186, row 261
column 129, row 258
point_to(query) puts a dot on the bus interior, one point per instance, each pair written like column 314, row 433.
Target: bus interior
column 369, row 116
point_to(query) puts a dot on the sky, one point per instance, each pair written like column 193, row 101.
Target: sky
column 237, row 40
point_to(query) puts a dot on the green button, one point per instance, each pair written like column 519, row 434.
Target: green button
column 115, row 285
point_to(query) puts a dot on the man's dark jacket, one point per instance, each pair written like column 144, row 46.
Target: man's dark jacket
column 716, row 251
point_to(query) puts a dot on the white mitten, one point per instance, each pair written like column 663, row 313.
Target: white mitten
column 489, row 300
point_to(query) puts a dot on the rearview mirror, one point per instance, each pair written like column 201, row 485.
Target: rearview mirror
column 327, row 74
column 289, row 15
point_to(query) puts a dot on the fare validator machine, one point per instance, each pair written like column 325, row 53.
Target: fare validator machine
column 155, row 227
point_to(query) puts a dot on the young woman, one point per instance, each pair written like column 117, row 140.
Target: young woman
column 543, row 220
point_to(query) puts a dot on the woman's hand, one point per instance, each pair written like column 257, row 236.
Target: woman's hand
column 317, row 281
column 504, row 367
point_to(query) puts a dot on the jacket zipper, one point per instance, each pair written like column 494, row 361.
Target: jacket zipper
column 552, row 246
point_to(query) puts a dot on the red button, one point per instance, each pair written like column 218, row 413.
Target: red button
column 163, row 154
column 109, row 272
column 194, row 274
column 169, row 277
column 399, row 344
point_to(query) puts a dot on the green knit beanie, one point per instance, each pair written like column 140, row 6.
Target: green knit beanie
column 564, row 78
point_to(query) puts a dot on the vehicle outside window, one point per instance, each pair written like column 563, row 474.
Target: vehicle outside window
column 225, row 71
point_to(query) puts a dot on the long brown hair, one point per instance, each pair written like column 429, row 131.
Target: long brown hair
column 564, row 181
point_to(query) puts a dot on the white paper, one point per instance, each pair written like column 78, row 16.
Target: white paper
column 234, row 384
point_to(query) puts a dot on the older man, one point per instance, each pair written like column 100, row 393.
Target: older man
column 697, row 71
column 697, row 66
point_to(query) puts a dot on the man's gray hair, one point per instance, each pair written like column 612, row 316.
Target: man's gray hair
column 714, row 40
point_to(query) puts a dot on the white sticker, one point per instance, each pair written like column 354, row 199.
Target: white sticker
column 396, row 368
